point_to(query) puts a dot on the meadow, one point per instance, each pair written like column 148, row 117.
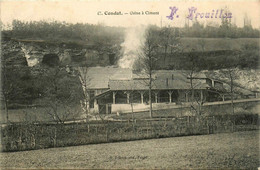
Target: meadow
column 238, row 150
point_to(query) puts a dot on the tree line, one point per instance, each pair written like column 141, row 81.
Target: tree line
column 56, row 30
column 224, row 30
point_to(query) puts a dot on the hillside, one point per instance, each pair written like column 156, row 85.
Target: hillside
column 245, row 78
column 217, row 44
column 217, row 53
column 101, row 45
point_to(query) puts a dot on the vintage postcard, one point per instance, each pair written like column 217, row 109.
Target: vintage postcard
column 95, row 84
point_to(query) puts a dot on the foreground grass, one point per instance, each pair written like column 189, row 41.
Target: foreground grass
column 229, row 150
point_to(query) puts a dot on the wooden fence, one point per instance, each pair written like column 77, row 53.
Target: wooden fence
column 18, row 137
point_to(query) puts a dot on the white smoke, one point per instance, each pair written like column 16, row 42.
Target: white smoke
column 132, row 46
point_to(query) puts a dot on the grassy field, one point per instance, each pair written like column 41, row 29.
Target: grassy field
column 228, row 150
column 36, row 114
column 39, row 113
column 212, row 44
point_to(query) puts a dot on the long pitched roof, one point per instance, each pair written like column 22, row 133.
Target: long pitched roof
column 123, row 79
column 163, row 80
column 156, row 84
column 100, row 76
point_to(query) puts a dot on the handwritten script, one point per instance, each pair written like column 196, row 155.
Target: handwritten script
column 193, row 13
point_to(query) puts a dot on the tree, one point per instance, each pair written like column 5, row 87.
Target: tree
column 175, row 44
column 196, row 29
column 202, row 43
column 165, row 35
column 225, row 27
column 16, row 82
column 196, row 102
column 168, row 38
column 84, row 81
column 147, row 59
column 231, row 75
column 60, row 93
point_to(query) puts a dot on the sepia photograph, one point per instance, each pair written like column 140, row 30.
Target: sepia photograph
column 120, row 84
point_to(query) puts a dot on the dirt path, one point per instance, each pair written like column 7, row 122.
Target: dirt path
column 229, row 150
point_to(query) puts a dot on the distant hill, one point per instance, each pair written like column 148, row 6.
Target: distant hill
column 213, row 53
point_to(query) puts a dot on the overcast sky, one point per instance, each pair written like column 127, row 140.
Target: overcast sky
column 87, row 11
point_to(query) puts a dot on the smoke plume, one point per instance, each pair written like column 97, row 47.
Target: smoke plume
column 132, row 46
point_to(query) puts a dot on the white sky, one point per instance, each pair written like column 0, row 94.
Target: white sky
column 86, row 11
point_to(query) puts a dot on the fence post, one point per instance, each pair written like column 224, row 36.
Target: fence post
column 55, row 137
column 147, row 128
column 121, row 133
column 214, row 123
column 136, row 130
column 20, row 139
column 33, row 141
column 208, row 126
column 1, row 137
column 106, row 134
column 133, row 128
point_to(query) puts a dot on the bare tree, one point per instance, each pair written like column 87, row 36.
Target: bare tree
column 169, row 39
column 165, row 35
column 13, row 87
column 130, row 97
column 148, row 57
column 85, row 81
column 231, row 76
column 193, row 67
column 196, row 103
column 60, row 94
column 6, row 88
column 7, row 81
